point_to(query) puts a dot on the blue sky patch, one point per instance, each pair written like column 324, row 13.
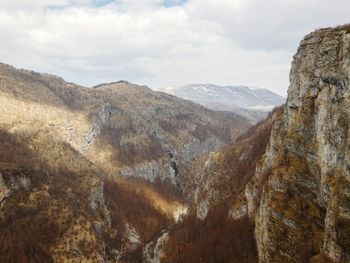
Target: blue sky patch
column 170, row 3
column 100, row 3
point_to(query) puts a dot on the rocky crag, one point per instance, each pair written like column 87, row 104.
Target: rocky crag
column 304, row 212
column 298, row 195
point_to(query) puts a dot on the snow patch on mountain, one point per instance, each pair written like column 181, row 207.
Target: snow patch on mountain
column 229, row 97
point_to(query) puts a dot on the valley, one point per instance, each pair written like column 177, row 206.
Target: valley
column 121, row 173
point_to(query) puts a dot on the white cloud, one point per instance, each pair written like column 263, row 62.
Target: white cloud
column 219, row 41
column 29, row 4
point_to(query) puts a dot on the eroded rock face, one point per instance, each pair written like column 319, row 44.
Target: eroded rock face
column 98, row 123
column 210, row 190
column 4, row 189
column 228, row 175
column 304, row 211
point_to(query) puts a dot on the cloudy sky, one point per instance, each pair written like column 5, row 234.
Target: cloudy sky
column 163, row 43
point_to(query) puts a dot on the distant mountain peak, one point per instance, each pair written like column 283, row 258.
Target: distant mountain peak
column 250, row 103
column 240, row 96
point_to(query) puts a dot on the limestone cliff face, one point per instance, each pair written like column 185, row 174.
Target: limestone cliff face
column 226, row 173
column 298, row 190
column 304, row 211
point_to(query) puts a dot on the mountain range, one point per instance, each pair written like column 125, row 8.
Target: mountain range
column 121, row 173
column 251, row 103
column 97, row 172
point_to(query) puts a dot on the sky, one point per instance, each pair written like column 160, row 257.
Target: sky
column 163, row 43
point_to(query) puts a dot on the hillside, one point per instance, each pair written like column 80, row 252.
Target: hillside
column 96, row 172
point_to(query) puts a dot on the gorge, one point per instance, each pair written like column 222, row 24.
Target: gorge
column 120, row 173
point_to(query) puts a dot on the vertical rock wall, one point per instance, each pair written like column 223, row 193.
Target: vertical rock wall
column 304, row 212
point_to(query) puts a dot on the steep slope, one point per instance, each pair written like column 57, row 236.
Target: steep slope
column 100, row 170
column 296, row 194
column 227, row 172
column 216, row 231
column 120, row 127
column 307, row 194
column 51, row 201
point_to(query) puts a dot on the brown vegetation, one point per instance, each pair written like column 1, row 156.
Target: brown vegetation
column 216, row 239
column 60, row 144
column 27, row 239
column 219, row 238
column 145, row 206
column 128, row 203
column 47, row 213
column 134, row 151
column 345, row 27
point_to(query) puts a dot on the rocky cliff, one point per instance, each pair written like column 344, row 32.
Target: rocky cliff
column 304, row 212
column 298, row 197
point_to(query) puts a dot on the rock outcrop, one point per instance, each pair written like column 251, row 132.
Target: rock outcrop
column 298, row 192
column 226, row 173
column 304, row 212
